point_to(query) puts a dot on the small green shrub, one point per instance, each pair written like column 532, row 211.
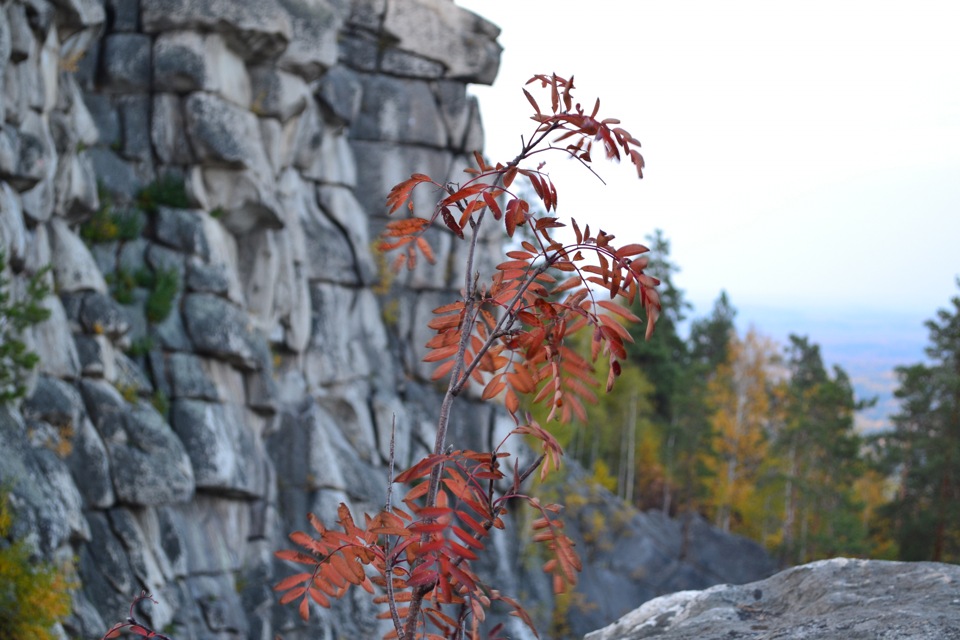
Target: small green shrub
column 141, row 347
column 16, row 361
column 160, row 402
column 108, row 224
column 122, row 283
column 169, row 191
column 33, row 595
column 159, row 304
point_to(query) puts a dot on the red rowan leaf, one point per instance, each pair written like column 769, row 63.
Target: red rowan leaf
column 305, row 609
column 466, row 537
column 441, row 354
column 461, row 551
column 425, row 249
column 508, row 176
column 533, row 102
column 619, row 309
column 292, row 595
column 319, row 597
column 443, row 369
column 401, row 192
column 295, row 556
column 491, row 202
column 420, row 470
column 448, row 220
column 291, row 581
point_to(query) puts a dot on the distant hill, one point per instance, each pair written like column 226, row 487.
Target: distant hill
column 866, row 344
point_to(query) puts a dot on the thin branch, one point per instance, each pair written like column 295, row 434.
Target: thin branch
column 388, row 546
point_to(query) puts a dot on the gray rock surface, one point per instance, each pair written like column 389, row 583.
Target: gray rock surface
column 838, row 599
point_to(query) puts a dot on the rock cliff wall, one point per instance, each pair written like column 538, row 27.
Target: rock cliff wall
column 223, row 356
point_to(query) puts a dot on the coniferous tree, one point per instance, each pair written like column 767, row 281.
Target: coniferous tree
column 924, row 448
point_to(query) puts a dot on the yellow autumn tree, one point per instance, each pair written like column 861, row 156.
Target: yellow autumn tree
column 738, row 398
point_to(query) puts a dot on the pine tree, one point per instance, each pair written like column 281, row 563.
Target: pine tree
column 924, row 448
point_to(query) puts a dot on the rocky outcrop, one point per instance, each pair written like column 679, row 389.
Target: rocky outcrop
column 224, row 352
column 837, row 599
column 630, row 557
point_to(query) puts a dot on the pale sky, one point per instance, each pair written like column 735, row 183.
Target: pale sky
column 804, row 156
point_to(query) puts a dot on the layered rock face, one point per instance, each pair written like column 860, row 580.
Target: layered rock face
column 837, row 599
column 172, row 451
column 225, row 352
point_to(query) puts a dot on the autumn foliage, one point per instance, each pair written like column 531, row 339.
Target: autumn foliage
column 509, row 334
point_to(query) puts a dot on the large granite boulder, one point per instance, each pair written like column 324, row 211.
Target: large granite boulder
column 838, row 599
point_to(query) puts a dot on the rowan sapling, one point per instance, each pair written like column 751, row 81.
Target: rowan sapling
column 508, row 333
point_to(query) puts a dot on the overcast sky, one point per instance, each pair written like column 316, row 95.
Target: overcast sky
column 804, row 156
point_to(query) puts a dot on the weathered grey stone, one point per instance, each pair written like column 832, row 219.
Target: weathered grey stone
column 438, row 30
column 226, row 456
column 182, row 229
column 48, row 68
column 13, row 233
column 395, row 110
column 302, row 139
column 277, row 94
column 90, row 466
column 341, row 206
column 188, row 379
column 381, row 165
column 163, row 259
column 367, row 13
column 407, row 65
column 126, row 62
column 313, row 48
column 149, row 567
column 74, row 15
column 18, row 80
column 24, row 158
column 171, row 332
column 75, row 187
column 167, row 130
column 156, row 468
column 257, row 30
column 104, row 117
column 96, row 357
column 205, row 278
column 122, row 15
column 52, row 342
column 108, row 577
column 188, row 61
column 457, row 110
column 838, row 598
column 178, row 62
column 81, row 121
column 47, row 503
column 328, row 254
column 348, row 341
column 271, row 132
column 116, row 175
column 242, row 200
column 222, row 133
column 341, row 91
column 56, row 403
column 220, row 329
column 259, row 270
column 18, row 32
column 73, row 267
column 99, row 314
column 130, row 375
column 360, row 51
column 135, row 126
column 38, row 201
